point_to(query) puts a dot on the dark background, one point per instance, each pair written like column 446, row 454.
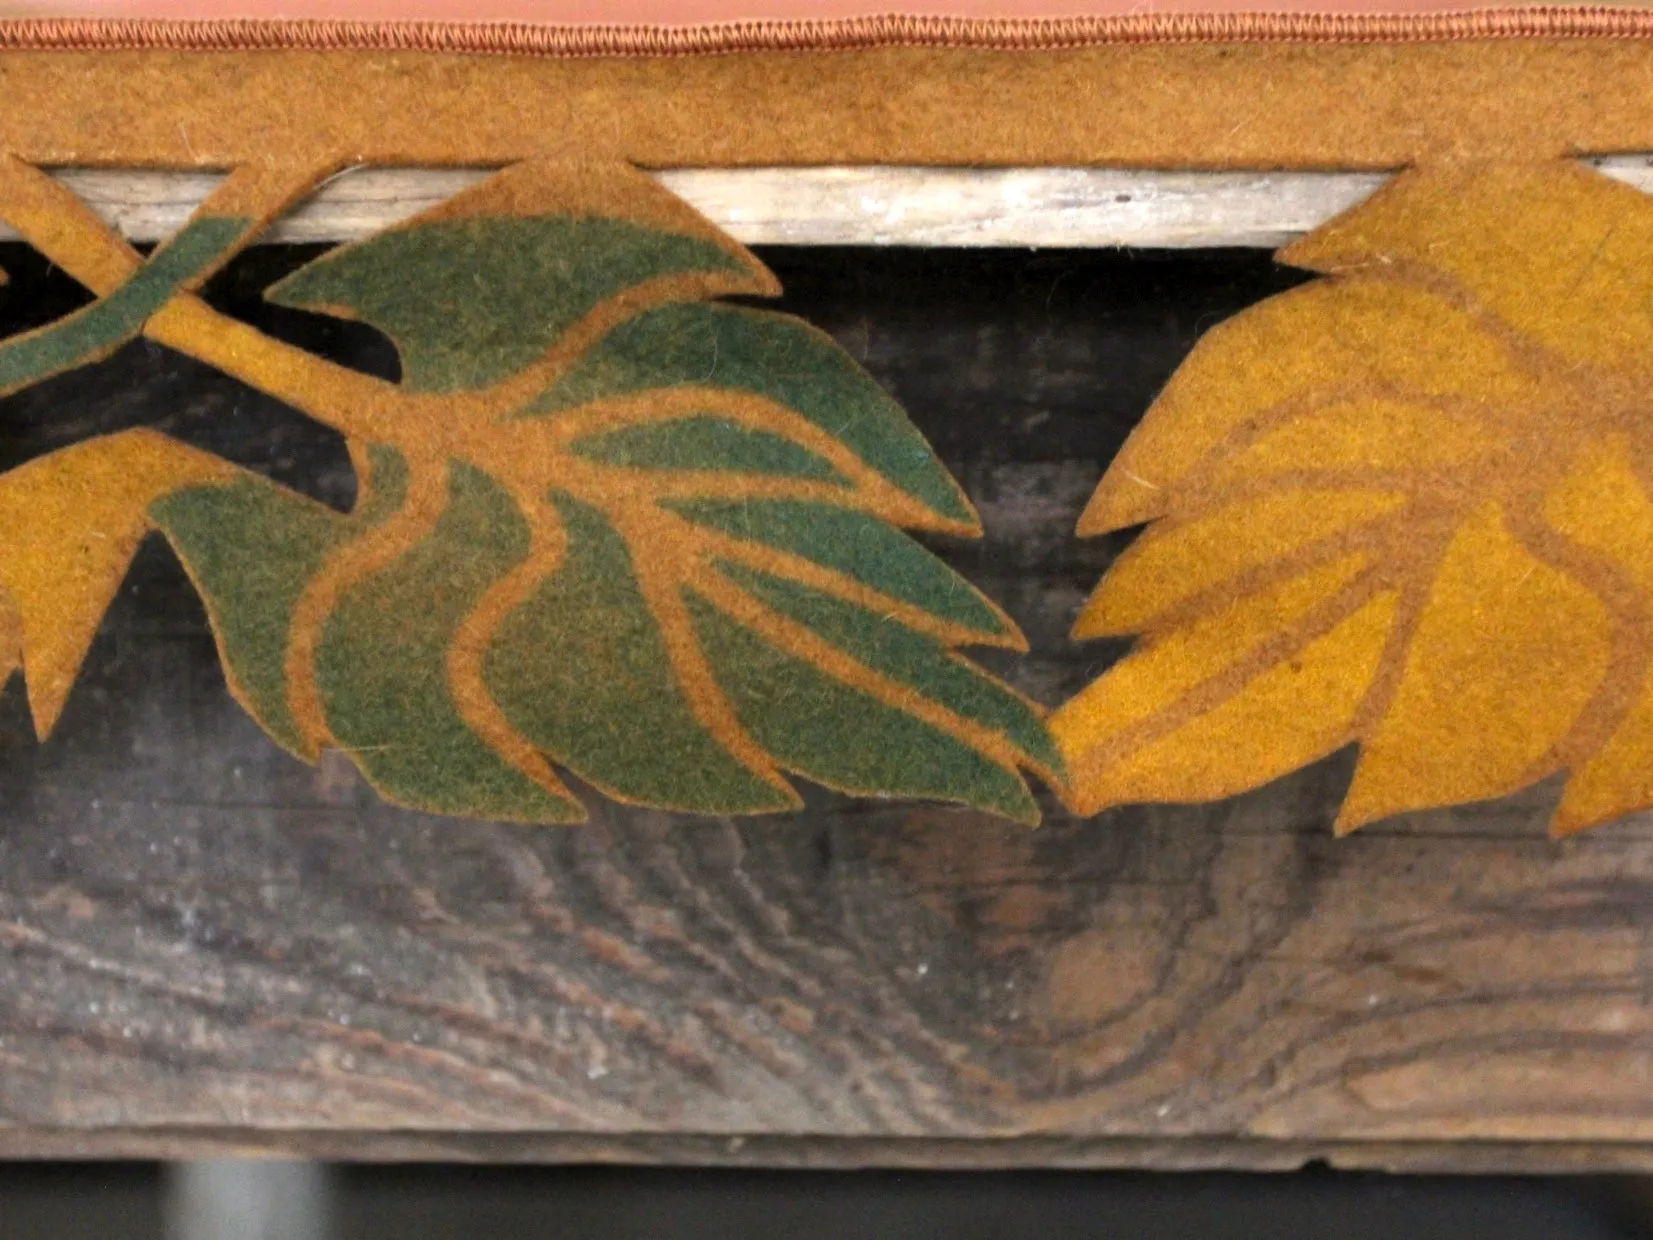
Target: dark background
column 125, row 1202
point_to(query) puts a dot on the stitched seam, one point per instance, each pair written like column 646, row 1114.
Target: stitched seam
column 850, row 34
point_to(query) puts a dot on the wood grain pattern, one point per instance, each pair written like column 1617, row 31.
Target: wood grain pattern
column 205, row 946
column 947, row 207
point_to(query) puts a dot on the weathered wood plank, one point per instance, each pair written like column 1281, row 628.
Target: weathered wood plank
column 1048, row 207
column 206, row 946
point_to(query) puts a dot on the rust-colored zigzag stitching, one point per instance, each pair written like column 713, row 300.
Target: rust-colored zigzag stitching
column 848, row 34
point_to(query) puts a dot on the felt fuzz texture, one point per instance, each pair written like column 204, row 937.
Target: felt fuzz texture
column 606, row 524
column 1409, row 505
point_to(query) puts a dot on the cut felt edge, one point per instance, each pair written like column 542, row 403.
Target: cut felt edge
column 344, row 567
column 1603, row 506
column 1310, row 349
column 1591, row 797
column 376, row 500
column 706, row 698
column 694, row 679
column 996, row 628
column 1467, row 229
column 1286, row 725
column 360, row 554
column 1565, row 821
column 255, row 196
column 1234, row 637
column 858, row 630
column 293, row 714
column 467, row 654
column 576, row 189
column 1122, row 500
column 11, row 640
column 465, row 757
column 937, row 489
column 797, row 449
column 94, row 331
column 1503, row 634
column 628, row 676
column 1181, row 567
column 1169, row 682
column 1382, row 226
column 132, row 290
column 535, row 794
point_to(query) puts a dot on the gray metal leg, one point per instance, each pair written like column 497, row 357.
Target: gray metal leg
column 248, row 1201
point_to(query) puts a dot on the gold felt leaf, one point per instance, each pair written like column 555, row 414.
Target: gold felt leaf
column 69, row 524
column 1409, row 506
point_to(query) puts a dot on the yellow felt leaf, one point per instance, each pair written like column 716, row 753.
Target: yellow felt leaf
column 1291, row 355
column 1478, row 356
column 1178, row 560
column 1504, row 658
column 69, row 524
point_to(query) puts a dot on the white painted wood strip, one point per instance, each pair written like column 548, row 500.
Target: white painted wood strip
column 1045, row 207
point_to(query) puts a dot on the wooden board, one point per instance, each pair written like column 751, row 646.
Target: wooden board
column 207, row 947
column 1042, row 207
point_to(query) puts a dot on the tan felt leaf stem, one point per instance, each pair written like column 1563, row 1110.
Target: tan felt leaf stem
column 471, row 696
column 652, row 534
column 351, row 563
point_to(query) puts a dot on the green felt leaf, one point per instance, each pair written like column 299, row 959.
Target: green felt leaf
column 858, row 545
column 561, row 591
column 770, row 355
column 472, row 301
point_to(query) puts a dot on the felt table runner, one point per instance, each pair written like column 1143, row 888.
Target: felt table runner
column 615, row 527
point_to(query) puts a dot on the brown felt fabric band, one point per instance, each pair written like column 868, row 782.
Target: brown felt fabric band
column 1173, row 105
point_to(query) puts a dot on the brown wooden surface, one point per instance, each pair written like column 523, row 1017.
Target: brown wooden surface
column 206, row 946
